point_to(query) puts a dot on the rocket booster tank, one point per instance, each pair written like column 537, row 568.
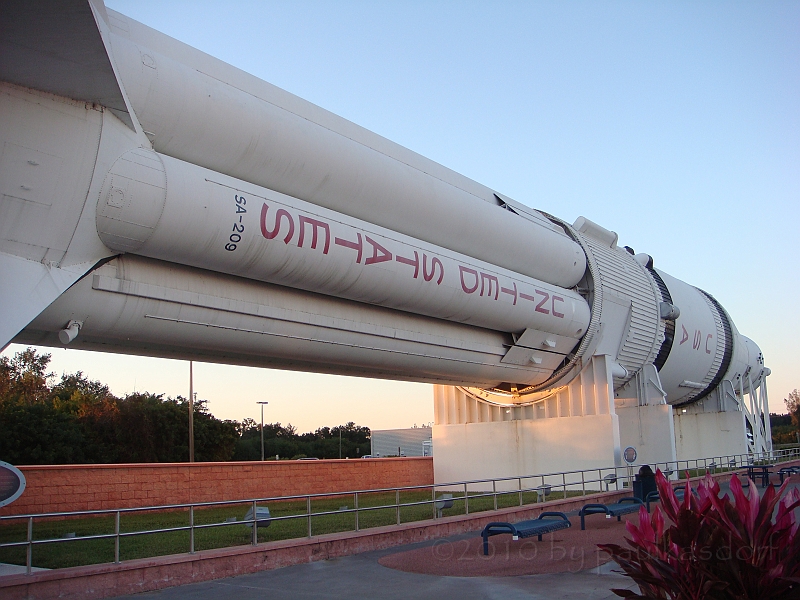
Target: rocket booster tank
column 170, row 204
column 205, row 112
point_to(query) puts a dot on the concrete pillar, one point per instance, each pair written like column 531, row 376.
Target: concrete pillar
column 705, row 434
column 524, row 447
column 711, row 427
column 650, row 430
column 645, row 419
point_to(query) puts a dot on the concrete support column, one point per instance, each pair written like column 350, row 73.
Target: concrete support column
column 714, row 426
column 645, row 419
column 514, row 448
column 709, row 434
column 650, row 430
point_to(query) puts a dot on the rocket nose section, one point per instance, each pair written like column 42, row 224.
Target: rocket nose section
column 756, row 368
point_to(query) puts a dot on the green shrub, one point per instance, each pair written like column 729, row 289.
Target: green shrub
column 714, row 548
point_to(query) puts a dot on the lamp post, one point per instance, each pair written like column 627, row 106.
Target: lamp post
column 191, row 414
column 262, row 428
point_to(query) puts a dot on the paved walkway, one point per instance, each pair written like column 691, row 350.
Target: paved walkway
column 6, row 569
column 361, row 576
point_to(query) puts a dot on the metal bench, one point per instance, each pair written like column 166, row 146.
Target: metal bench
column 623, row 507
column 546, row 522
column 651, row 497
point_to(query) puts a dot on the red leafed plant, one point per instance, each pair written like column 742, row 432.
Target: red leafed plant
column 714, row 548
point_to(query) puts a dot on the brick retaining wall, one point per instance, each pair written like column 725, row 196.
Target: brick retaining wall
column 64, row 488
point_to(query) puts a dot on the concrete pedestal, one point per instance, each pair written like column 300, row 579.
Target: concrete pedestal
column 650, row 430
column 575, row 428
column 512, row 448
column 706, row 434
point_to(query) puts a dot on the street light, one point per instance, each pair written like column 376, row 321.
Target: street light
column 191, row 413
column 262, row 428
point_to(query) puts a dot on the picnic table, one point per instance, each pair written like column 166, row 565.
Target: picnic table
column 545, row 523
column 788, row 472
column 756, row 472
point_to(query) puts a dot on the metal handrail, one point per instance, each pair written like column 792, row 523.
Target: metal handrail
column 580, row 481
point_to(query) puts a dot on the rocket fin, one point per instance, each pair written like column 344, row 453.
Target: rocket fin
column 28, row 288
column 56, row 46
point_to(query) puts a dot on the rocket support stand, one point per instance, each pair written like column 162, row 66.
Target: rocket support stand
column 583, row 426
column 575, row 428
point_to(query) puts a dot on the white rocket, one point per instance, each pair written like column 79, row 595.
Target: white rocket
column 158, row 201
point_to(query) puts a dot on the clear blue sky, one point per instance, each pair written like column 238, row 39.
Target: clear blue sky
column 676, row 124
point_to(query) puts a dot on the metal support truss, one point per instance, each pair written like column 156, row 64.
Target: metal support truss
column 754, row 404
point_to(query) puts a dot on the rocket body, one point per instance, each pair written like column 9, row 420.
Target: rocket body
column 172, row 205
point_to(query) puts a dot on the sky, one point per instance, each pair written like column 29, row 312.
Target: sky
column 675, row 124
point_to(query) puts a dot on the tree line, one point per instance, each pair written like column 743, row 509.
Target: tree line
column 785, row 428
column 79, row 421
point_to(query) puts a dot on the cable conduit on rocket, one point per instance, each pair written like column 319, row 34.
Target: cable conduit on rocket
column 226, row 305
column 327, row 342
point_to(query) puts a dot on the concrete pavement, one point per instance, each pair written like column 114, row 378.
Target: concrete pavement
column 361, row 576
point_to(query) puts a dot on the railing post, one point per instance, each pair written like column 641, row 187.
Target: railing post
column 308, row 513
column 191, row 529
column 254, row 541
column 466, row 500
column 116, row 538
column 583, row 484
column 29, row 551
column 494, row 492
column 355, row 500
column 433, row 501
column 397, row 504
column 519, row 483
column 564, row 483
